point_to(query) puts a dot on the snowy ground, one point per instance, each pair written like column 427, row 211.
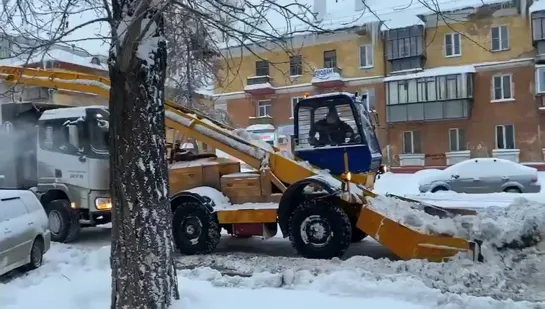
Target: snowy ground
column 246, row 273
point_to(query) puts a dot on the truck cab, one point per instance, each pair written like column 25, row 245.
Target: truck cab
column 61, row 154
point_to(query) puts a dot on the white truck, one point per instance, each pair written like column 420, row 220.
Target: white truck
column 61, row 154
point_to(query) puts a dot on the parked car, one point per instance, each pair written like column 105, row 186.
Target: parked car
column 482, row 175
column 24, row 231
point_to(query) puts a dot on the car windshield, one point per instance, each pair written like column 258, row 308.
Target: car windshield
column 99, row 131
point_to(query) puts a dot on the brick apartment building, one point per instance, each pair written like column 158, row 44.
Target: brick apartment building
column 443, row 91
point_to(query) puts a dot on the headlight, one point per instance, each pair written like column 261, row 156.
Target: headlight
column 346, row 176
column 383, row 169
column 103, row 203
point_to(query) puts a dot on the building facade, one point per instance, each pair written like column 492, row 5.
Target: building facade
column 468, row 82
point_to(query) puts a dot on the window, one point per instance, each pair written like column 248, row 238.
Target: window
column 540, row 80
column 500, row 38
column 502, row 87
column 538, row 25
column 264, row 108
column 4, row 48
column 99, row 130
column 330, row 59
column 294, row 101
column 457, row 140
column 54, row 136
column 11, row 209
column 405, row 42
column 296, row 65
column 366, row 56
column 505, row 136
column 430, row 89
column 261, row 68
column 453, row 45
column 411, row 142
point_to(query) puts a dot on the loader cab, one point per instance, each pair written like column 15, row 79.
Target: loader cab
column 328, row 126
column 73, row 147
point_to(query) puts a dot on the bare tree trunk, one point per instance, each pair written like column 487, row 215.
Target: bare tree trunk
column 143, row 272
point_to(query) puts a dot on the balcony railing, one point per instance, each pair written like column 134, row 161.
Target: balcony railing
column 429, row 111
column 257, row 80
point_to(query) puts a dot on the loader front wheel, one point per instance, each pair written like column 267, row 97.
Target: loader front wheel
column 319, row 229
column 196, row 230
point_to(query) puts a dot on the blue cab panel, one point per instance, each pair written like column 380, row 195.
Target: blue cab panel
column 360, row 158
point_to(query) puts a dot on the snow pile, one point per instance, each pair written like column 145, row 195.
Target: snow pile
column 279, row 283
column 521, row 224
column 407, row 214
column 461, row 282
column 216, row 196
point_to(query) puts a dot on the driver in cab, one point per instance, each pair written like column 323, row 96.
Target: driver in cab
column 331, row 130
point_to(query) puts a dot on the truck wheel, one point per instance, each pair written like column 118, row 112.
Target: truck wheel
column 319, row 229
column 196, row 230
column 357, row 235
column 63, row 221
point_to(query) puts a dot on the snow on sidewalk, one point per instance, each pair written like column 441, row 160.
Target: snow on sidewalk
column 80, row 278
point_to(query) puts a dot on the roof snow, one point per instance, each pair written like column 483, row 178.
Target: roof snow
column 447, row 70
column 53, row 55
column 341, row 14
column 538, row 5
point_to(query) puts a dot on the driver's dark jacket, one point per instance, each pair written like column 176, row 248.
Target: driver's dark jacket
column 331, row 134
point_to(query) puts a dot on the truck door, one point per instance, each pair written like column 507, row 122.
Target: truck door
column 61, row 152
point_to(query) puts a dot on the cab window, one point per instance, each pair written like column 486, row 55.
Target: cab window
column 329, row 125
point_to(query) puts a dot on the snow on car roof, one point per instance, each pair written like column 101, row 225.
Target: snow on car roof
column 260, row 127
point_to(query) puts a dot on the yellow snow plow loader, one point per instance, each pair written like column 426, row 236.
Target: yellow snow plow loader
column 319, row 198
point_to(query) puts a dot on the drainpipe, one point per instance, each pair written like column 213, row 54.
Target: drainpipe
column 385, row 67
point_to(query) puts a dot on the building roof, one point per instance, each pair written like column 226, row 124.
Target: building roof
column 55, row 54
column 342, row 14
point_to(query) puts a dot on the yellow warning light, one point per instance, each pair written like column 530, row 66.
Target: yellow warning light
column 306, row 95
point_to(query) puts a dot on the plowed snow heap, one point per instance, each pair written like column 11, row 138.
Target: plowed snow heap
column 517, row 226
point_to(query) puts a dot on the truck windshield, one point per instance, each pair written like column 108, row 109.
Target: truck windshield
column 99, row 131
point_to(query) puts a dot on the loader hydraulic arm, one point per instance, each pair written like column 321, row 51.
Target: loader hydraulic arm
column 190, row 122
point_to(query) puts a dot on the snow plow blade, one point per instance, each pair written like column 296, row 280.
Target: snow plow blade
column 409, row 244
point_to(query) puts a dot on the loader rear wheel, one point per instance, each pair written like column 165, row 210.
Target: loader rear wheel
column 196, row 230
column 319, row 229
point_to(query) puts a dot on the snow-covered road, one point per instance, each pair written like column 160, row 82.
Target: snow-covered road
column 248, row 273
column 78, row 276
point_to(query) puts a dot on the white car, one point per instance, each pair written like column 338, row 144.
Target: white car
column 24, row 231
column 482, row 175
